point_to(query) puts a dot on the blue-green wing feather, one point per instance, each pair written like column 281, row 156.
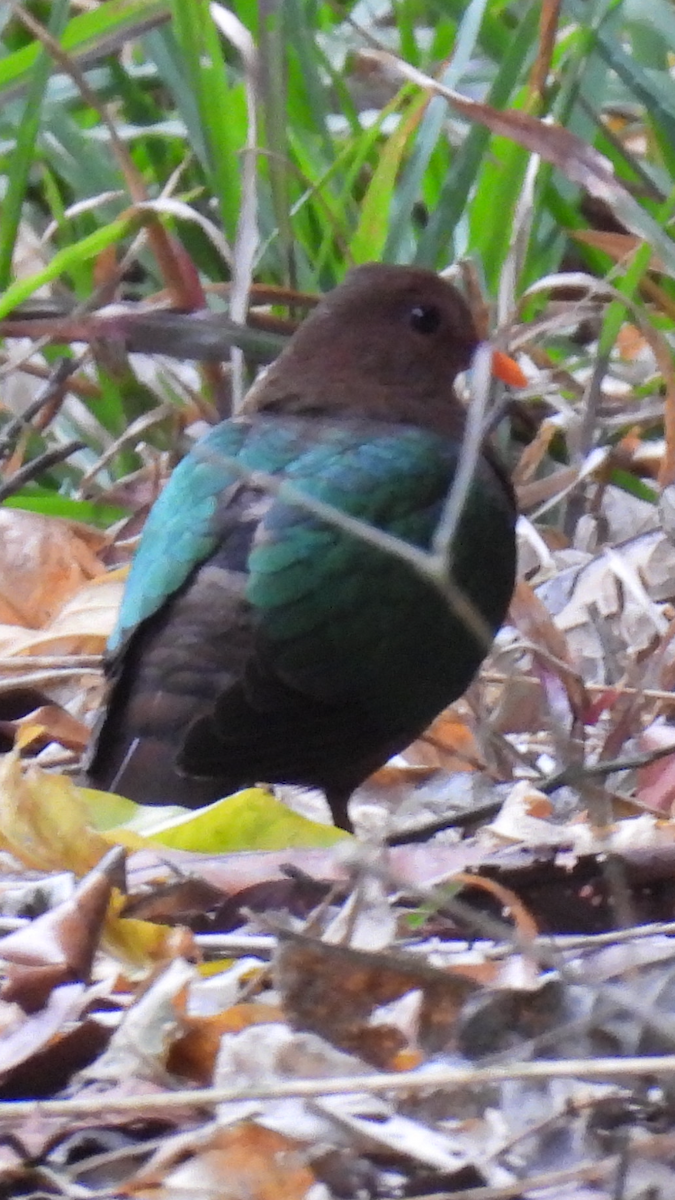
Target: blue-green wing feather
column 340, row 617
column 182, row 528
column 181, row 531
column 178, row 532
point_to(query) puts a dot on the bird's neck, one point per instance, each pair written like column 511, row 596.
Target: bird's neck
column 333, row 398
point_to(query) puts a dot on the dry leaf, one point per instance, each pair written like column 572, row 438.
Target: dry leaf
column 306, row 971
column 247, row 1161
column 62, row 940
column 193, row 1056
column 51, row 723
column 534, row 622
column 44, row 821
column 656, row 782
column 448, row 743
column 42, row 563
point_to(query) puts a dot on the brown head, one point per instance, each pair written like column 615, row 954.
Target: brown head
column 387, row 343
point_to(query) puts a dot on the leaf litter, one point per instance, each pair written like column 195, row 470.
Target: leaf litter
column 484, row 949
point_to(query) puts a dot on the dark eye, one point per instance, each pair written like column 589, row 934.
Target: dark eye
column 425, row 318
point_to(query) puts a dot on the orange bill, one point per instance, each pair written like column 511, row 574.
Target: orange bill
column 507, row 369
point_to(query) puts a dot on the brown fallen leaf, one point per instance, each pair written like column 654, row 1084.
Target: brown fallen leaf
column 448, row 743
column 307, row 972
column 81, row 626
column 42, row 563
column 59, row 946
column 33, row 1033
column 247, row 1161
column 51, row 723
column 533, row 620
column 58, row 1041
column 193, row 1055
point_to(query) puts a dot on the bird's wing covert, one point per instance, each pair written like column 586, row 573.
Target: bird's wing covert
column 326, row 601
column 178, row 533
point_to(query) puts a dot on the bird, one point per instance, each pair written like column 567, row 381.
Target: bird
column 258, row 641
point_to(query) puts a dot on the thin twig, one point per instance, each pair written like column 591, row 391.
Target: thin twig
column 458, row 819
column 645, row 1067
column 247, row 235
column 54, row 386
column 38, row 679
column 525, row 1184
column 575, row 773
column 443, row 540
column 50, row 662
column 594, row 941
column 614, row 688
column 36, row 466
column 237, row 945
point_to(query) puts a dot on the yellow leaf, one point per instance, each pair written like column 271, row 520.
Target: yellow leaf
column 141, row 944
column 250, row 820
column 107, row 811
column 44, row 821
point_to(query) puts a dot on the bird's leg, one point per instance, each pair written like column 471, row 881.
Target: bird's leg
column 338, row 802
